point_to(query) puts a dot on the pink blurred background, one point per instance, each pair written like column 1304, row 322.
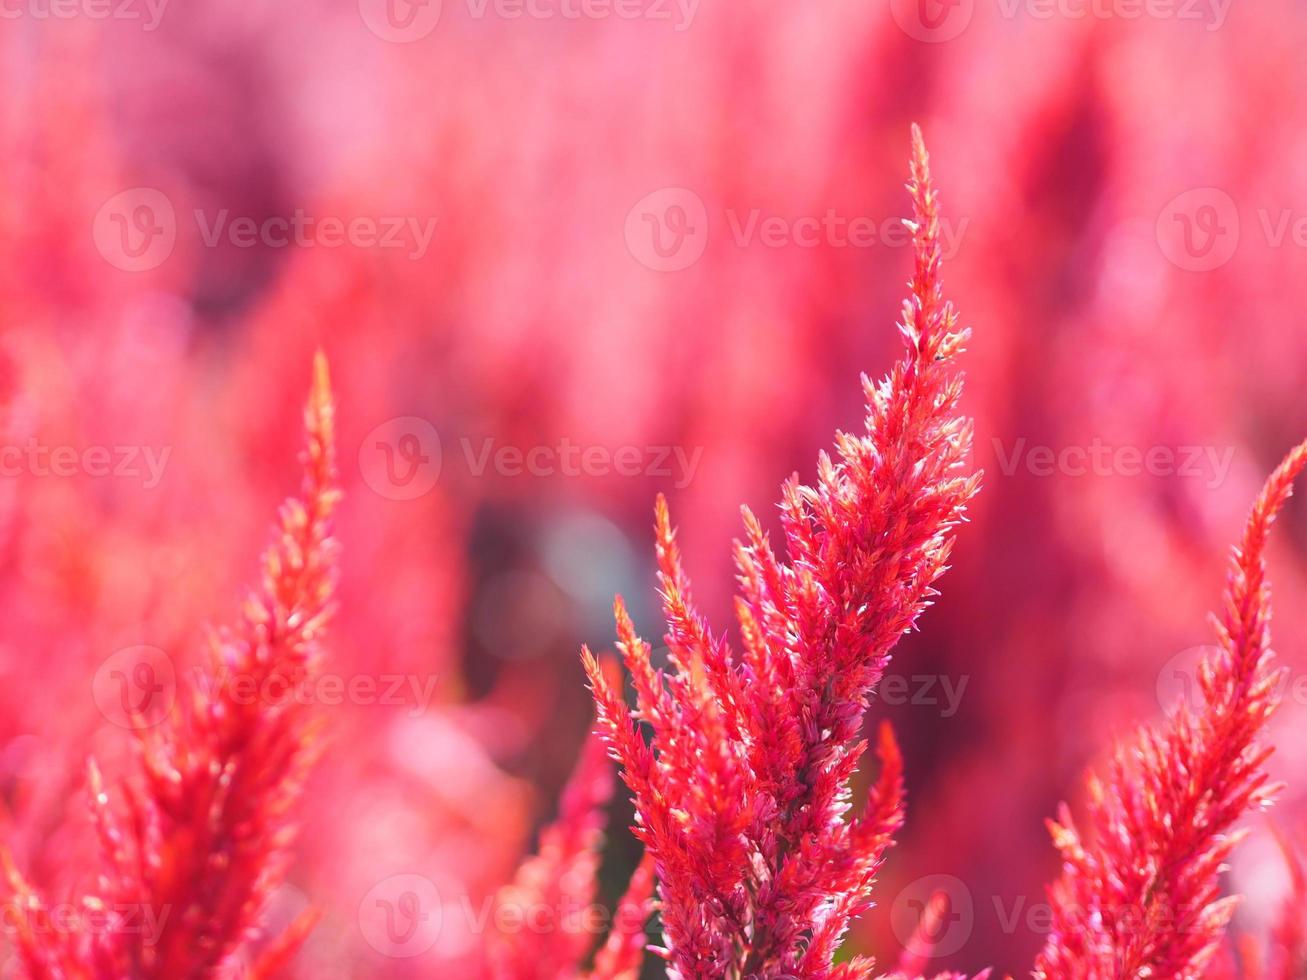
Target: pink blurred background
column 563, row 255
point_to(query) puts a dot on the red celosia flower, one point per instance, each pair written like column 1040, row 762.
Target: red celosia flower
column 546, row 919
column 742, row 795
column 1243, row 958
column 623, row 953
column 1140, row 897
column 1289, row 937
column 202, row 838
column 541, row 917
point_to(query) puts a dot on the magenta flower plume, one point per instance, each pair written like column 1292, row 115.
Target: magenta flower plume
column 1140, row 895
column 742, row 788
column 623, row 954
column 1244, row 957
column 1289, row 937
column 543, row 916
column 197, row 843
column 546, row 919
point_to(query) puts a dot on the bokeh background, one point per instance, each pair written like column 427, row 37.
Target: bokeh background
column 563, row 255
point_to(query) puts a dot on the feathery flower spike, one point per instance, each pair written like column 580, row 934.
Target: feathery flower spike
column 202, row 838
column 555, row 888
column 742, row 790
column 1140, row 895
column 623, row 954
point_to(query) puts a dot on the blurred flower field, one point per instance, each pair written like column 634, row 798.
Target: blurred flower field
column 563, row 258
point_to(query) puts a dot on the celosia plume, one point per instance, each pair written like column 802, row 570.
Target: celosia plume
column 547, row 919
column 1140, row 894
column 541, row 917
column 623, row 952
column 742, row 792
column 202, row 837
column 1246, row 957
column 1289, row 936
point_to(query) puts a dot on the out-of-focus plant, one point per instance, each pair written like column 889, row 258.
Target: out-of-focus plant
column 1140, row 894
column 742, row 792
column 741, row 772
column 545, row 918
column 195, row 844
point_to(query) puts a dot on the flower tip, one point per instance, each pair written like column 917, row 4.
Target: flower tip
column 321, row 377
column 918, row 141
column 887, row 745
column 601, row 672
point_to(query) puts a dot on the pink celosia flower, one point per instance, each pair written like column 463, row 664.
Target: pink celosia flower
column 742, row 794
column 1243, row 956
column 546, row 920
column 623, row 953
column 542, row 916
column 202, row 838
column 1140, row 895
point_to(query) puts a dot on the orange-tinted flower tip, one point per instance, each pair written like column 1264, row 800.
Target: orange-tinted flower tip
column 611, row 670
column 920, row 158
column 321, row 390
column 887, row 748
column 321, row 404
column 594, row 672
